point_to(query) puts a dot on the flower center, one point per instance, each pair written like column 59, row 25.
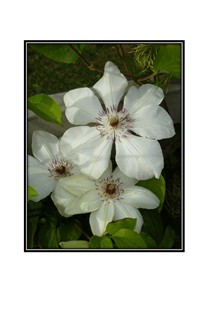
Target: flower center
column 111, row 123
column 60, row 169
column 109, row 189
column 114, row 122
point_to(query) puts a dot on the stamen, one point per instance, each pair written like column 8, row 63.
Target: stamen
column 60, row 168
column 109, row 189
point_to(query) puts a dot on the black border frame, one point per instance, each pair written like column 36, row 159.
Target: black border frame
column 182, row 43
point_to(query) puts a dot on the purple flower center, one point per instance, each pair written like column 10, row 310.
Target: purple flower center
column 61, row 170
column 110, row 189
column 114, row 122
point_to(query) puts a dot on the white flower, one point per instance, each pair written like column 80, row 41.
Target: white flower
column 112, row 197
column 49, row 167
column 90, row 147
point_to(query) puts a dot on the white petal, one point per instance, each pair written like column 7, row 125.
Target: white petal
column 100, row 218
column 127, row 181
column 123, row 210
column 45, row 147
column 75, row 170
column 38, row 179
column 85, row 147
column 153, row 122
column 62, row 198
column 88, row 202
column 82, row 106
column 111, row 86
column 77, row 184
column 147, row 94
column 139, row 158
column 108, row 172
column 140, row 197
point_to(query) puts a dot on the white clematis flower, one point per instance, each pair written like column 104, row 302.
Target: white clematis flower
column 90, row 147
column 49, row 167
column 112, row 197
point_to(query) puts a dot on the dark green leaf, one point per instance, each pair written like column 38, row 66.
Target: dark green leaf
column 46, row 108
column 127, row 223
column 47, row 237
column 53, row 218
column 57, row 52
column 80, row 244
column 31, row 193
column 34, row 207
column 31, row 229
column 157, row 186
column 168, row 239
column 169, row 60
column 68, row 231
column 128, row 239
column 151, row 244
column 103, row 47
column 100, row 243
column 152, row 224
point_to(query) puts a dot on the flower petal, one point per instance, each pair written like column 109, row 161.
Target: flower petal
column 139, row 158
column 88, row 149
column 88, row 202
column 45, row 147
column 127, row 181
column 77, row 184
column 100, row 218
column 111, row 86
column 62, row 198
column 123, row 210
column 82, row 106
column 38, row 179
column 153, row 122
column 140, row 197
column 108, row 172
column 147, row 94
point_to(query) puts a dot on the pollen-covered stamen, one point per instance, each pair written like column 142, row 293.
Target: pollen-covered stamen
column 109, row 189
column 60, row 169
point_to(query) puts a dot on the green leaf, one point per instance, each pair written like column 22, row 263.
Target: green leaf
column 100, row 243
column 80, row 244
column 47, row 237
column 128, row 239
column 46, row 108
column 157, row 186
column 127, row 223
column 152, row 224
column 31, row 193
column 34, row 208
column 57, row 52
column 151, row 244
column 168, row 239
column 68, row 231
column 169, row 60
column 31, row 229
column 103, row 47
